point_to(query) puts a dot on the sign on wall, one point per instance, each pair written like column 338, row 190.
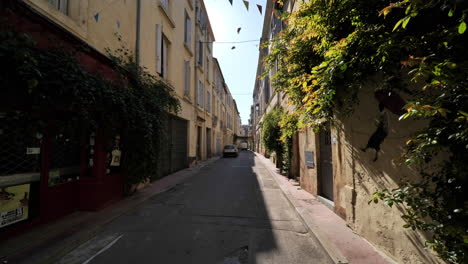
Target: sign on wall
column 14, row 204
column 309, row 159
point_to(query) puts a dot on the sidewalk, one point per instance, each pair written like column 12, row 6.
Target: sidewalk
column 341, row 243
column 48, row 243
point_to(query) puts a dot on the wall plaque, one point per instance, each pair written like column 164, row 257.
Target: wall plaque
column 309, row 159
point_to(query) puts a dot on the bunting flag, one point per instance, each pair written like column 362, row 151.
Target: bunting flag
column 233, row 47
column 96, row 17
column 246, row 3
column 259, row 9
column 238, row 30
column 230, row 1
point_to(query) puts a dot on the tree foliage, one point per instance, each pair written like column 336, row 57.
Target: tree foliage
column 271, row 131
column 330, row 49
column 50, row 85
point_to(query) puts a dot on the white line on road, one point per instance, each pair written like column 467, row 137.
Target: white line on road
column 103, row 249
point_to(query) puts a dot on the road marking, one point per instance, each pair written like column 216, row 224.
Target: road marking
column 103, row 249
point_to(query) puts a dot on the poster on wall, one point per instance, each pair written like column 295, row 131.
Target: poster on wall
column 14, row 203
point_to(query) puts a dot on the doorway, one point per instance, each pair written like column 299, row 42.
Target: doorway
column 199, row 139
column 326, row 165
column 208, row 143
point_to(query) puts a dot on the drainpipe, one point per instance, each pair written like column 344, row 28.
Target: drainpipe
column 137, row 41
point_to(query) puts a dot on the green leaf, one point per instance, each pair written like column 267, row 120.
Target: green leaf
column 398, row 24
column 450, row 13
column 406, row 225
column 462, row 27
column 405, row 22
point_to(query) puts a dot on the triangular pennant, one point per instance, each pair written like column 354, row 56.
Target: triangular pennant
column 230, row 1
column 246, row 3
column 96, row 17
column 238, row 30
column 259, row 8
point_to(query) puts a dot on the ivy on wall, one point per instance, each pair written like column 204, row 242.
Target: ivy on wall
column 51, row 85
column 331, row 49
column 271, row 133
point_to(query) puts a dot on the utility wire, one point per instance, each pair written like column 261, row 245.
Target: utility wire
column 232, row 42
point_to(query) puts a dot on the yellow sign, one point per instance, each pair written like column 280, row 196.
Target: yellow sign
column 14, row 202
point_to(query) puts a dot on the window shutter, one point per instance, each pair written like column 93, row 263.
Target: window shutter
column 189, row 31
column 187, row 78
column 158, row 48
column 63, row 6
column 54, row 3
column 165, row 61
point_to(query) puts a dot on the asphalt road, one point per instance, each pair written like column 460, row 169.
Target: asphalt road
column 232, row 212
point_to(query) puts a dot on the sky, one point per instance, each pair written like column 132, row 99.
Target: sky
column 239, row 65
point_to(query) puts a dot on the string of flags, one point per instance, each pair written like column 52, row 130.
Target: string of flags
column 247, row 4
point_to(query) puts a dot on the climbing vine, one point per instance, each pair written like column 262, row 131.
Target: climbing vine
column 271, row 133
column 50, row 85
column 330, row 49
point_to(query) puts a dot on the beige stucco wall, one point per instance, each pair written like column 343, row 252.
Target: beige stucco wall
column 357, row 176
column 104, row 33
column 308, row 176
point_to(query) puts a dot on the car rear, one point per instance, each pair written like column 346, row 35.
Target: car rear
column 230, row 151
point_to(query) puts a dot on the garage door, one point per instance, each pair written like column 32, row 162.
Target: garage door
column 178, row 150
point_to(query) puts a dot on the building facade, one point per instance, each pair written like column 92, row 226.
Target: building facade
column 331, row 164
column 171, row 39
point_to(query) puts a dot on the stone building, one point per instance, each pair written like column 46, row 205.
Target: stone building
column 332, row 165
column 172, row 40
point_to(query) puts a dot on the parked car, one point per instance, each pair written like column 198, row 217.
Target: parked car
column 243, row 146
column 230, row 150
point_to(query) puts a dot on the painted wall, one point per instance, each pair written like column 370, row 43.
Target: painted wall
column 358, row 176
column 102, row 23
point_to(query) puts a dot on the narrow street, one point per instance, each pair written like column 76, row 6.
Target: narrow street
column 231, row 212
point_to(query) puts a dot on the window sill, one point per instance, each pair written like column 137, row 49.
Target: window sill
column 166, row 14
column 187, row 48
column 186, row 97
column 200, row 67
column 190, row 4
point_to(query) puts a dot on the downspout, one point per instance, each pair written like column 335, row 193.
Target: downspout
column 138, row 26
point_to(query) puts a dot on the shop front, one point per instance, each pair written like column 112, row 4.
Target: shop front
column 48, row 171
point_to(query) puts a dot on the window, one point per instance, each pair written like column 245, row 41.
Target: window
column 162, row 46
column 200, row 53
column 165, row 4
column 188, row 30
column 213, row 99
column 203, row 19
column 207, row 69
column 266, row 88
column 61, row 5
column 200, row 94
column 198, row 13
column 187, row 78
column 208, row 101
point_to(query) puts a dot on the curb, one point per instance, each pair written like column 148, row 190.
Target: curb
column 81, row 236
column 304, row 216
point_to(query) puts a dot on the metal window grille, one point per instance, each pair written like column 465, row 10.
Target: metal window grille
column 19, row 145
column 65, row 157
